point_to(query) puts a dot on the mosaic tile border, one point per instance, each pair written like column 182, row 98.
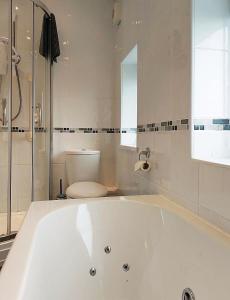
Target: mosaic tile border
column 88, row 130
column 164, row 126
column 23, row 129
column 211, row 124
column 177, row 125
column 41, row 130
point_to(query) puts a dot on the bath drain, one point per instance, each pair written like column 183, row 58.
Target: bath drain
column 92, row 272
column 126, row 267
column 107, row 249
column 188, row 294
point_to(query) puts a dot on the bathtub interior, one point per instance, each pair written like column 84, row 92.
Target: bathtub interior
column 165, row 254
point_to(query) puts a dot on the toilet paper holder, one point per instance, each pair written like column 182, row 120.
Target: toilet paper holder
column 146, row 153
column 143, row 164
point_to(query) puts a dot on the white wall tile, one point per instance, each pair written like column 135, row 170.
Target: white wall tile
column 21, row 187
column 214, row 189
column 184, row 171
column 83, row 77
column 164, row 41
column 3, row 188
column 21, row 149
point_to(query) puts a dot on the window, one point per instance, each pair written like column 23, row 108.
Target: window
column 129, row 99
column 211, row 81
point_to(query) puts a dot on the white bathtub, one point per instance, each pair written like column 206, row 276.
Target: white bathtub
column 166, row 247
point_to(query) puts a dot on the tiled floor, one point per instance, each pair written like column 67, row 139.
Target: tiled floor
column 16, row 221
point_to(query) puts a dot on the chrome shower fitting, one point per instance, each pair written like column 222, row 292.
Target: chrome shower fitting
column 146, row 153
column 16, row 58
column 188, row 294
column 38, row 115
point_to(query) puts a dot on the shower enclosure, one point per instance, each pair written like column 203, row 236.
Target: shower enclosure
column 25, row 111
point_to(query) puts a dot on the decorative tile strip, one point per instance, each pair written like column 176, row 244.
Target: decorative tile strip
column 164, row 126
column 40, row 130
column 92, row 130
column 19, row 129
column 221, row 121
column 211, row 124
column 22, row 129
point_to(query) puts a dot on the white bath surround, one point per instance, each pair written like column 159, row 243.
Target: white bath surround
column 166, row 247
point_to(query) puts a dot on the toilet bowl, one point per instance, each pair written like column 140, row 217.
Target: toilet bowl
column 86, row 189
column 83, row 167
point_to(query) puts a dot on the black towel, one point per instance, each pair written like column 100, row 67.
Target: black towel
column 49, row 36
column 55, row 47
column 45, row 36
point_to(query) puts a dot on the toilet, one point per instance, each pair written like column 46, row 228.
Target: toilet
column 82, row 168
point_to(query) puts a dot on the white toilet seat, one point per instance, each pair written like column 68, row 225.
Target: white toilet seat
column 86, row 189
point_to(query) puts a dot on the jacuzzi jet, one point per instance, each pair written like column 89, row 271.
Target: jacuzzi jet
column 126, row 267
column 92, row 272
column 107, row 249
column 188, row 294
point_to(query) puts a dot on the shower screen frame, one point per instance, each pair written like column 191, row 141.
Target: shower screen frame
column 36, row 4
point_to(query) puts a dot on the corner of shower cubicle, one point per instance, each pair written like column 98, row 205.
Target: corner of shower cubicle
column 25, row 92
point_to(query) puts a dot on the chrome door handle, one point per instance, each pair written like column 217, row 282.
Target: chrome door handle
column 38, row 115
column 4, row 112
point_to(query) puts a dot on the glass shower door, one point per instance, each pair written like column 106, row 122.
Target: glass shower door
column 42, row 113
column 25, row 112
column 22, row 73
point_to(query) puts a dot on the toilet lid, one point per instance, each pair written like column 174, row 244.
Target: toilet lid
column 86, row 190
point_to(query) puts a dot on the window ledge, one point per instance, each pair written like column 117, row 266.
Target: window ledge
column 222, row 163
column 129, row 148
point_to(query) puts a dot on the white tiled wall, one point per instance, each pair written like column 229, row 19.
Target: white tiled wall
column 21, row 172
column 84, row 97
column 83, row 81
column 163, row 32
column 83, row 85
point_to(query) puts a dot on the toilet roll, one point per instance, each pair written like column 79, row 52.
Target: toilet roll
column 142, row 165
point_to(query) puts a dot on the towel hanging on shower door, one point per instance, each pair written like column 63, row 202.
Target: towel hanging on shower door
column 49, row 36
